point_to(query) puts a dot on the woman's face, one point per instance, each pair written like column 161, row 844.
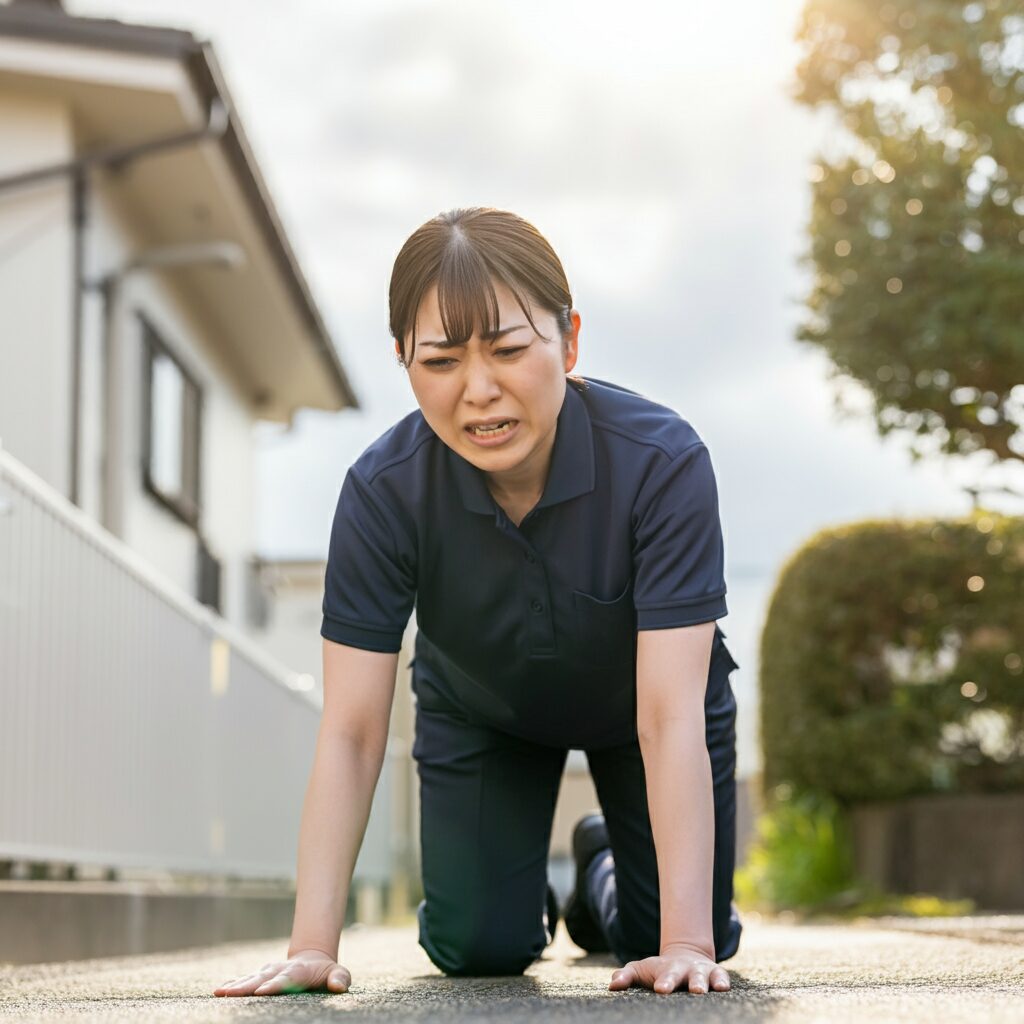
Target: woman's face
column 517, row 376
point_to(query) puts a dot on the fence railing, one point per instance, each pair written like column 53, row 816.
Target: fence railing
column 137, row 727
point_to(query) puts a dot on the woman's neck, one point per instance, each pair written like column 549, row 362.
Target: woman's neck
column 523, row 484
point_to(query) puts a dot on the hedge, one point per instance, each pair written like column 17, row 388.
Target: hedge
column 892, row 660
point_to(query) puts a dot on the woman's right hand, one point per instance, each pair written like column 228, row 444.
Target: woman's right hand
column 305, row 970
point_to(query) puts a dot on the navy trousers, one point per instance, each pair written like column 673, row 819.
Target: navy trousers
column 487, row 801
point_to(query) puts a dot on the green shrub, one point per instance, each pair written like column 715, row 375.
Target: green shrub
column 801, row 855
column 892, row 660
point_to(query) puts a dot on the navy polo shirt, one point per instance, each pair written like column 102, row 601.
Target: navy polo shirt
column 532, row 628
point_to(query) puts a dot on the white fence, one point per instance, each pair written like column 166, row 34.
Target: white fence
column 137, row 727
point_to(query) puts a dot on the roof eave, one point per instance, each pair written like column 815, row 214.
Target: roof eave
column 200, row 62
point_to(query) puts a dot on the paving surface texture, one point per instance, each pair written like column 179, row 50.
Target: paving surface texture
column 968, row 969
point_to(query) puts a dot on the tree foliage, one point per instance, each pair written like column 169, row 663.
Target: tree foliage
column 917, row 223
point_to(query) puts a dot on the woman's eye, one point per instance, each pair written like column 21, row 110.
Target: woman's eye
column 442, row 364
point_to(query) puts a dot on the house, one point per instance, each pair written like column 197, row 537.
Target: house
column 152, row 308
column 152, row 311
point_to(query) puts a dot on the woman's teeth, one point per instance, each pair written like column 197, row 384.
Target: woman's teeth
column 498, row 428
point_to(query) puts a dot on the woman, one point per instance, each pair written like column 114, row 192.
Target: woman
column 560, row 539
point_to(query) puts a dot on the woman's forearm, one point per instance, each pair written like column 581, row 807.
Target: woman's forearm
column 681, row 805
column 334, row 816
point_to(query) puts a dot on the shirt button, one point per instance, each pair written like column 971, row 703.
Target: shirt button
column 530, row 557
column 537, row 606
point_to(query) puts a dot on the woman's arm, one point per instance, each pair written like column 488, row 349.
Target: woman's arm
column 350, row 746
column 671, row 679
column 358, row 690
column 672, row 672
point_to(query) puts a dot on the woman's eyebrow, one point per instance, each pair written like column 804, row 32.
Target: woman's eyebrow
column 490, row 336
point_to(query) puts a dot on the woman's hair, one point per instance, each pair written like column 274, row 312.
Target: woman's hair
column 462, row 251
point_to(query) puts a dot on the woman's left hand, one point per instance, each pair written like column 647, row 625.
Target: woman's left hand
column 677, row 966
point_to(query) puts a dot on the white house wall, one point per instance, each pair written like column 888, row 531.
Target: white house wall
column 226, row 458
column 36, row 309
column 35, row 291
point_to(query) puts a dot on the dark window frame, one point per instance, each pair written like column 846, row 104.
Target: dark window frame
column 186, row 506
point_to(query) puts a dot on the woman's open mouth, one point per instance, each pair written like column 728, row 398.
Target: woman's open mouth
column 493, row 435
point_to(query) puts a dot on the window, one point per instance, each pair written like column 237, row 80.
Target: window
column 171, row 418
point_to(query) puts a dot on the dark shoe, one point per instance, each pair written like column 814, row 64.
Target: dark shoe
column 589, row 838
column 551, row 914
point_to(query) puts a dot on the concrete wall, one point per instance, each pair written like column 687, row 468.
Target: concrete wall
column 100, row 919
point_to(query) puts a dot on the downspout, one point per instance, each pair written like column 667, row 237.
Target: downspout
column 77, row 170
column 79, row 216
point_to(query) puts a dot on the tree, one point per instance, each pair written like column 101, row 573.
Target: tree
column 917, row 223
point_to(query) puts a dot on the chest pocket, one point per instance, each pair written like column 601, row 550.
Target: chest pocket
column 605, row 630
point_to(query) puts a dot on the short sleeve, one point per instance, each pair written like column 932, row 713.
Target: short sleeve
column 370, row 582
column 678, row 550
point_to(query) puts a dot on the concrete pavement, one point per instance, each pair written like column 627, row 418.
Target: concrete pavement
column 945, row 970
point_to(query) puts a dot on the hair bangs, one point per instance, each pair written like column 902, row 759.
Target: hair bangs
column 465, row 293
column 465, row 253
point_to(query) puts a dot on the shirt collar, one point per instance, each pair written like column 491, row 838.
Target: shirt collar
column 572, row 461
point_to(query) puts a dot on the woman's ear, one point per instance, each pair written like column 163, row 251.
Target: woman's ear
column 572, row 341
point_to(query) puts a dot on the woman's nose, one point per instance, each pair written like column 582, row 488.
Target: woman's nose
column 480, row 384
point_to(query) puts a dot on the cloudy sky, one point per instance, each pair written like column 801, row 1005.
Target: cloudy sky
column 653, row 143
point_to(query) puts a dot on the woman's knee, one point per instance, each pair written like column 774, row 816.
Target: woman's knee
column 475, row 948
column 459, row 959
